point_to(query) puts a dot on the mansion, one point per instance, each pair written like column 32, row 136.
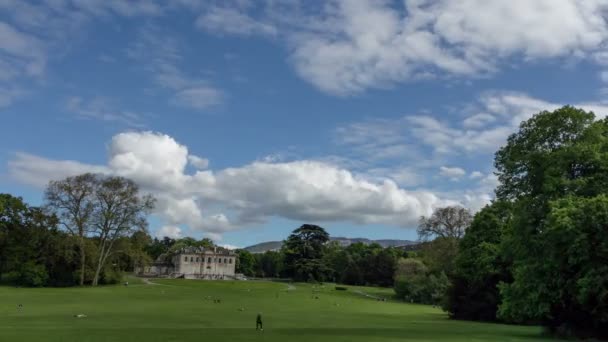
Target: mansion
column 193, row 263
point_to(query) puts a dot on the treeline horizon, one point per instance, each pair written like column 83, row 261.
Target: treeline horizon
column 537, row 254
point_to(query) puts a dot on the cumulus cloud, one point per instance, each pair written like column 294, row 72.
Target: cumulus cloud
column 38, row 171
column 198, row 162
column 173, row 232
column 218, row 201
column 453, row 173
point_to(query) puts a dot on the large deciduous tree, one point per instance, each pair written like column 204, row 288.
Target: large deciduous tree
column 448, row 222
column 481, row 265
column 303, row 252
column 72, row 200
column 440, row 234
column 102, row 208
column 555, row 171
column 119, row 211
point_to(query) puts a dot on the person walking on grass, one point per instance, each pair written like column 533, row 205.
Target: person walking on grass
column 258, row 322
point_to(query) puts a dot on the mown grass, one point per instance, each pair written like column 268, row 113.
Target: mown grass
column 179, row 310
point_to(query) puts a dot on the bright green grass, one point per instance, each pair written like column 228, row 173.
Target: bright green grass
column 178, row 311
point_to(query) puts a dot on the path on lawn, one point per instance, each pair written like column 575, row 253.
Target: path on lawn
column 367, row 295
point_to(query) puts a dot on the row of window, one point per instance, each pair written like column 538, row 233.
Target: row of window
column 219, row 260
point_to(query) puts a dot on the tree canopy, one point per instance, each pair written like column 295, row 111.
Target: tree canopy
column 554, row 169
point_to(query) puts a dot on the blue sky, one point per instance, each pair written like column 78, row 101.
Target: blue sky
column 248, row 118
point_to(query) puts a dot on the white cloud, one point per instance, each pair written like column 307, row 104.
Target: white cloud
column 476, row 175
column 227, row 246
column 38, row 171
column 216, row 202
column 173, row 232
column 508, row 110
column 226, row 20
column 345, row 47
column 198, row 162
column 453, row 173
column 103, row 110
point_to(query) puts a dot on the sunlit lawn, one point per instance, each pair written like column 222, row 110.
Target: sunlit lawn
column 178, row 310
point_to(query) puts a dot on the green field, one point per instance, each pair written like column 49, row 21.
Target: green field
column 178, row 310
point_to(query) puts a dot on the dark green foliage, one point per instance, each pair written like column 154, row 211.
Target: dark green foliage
column 555, row 171
column 269, row 264
column 32, row 251
column 480, row 266
column 414, row 283
column 341, row 288
column 245, row 263
column 303, row 251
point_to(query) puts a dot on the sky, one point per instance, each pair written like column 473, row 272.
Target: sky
column 246, row 119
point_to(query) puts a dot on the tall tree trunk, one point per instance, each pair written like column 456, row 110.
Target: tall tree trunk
column 82, row 261
column 103, row 254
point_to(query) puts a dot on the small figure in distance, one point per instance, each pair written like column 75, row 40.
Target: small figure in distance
column 258, row 322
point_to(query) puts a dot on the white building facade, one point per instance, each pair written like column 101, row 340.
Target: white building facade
column 193, row 263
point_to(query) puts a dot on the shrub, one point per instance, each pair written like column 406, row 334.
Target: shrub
column 341, row 288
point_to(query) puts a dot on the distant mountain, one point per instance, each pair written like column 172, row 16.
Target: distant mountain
column 343, row 241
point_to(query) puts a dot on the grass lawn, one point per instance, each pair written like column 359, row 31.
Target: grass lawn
column 177, row 310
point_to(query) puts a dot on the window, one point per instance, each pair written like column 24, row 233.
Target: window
column 197, row 259
column 209, row 260
column 220, row 260
column 191, row 259
column 225, row 261
column 230, row 261
column 185, row 258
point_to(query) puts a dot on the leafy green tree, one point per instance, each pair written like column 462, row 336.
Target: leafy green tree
column 33, row 251
column 269, row 264
column 303, row 251
column 245, row 262
column 481, row 266
column 554, row 157
column 411, row 280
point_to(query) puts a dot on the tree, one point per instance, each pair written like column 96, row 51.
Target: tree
column 72, row 200
column 245, row 262
column 440, row 234
column 448, row 222
column 33, row 252
column 481, row 265
column 269, row 264
column 119, row 211
column 303, row 252
column 411, row 280
column 554, row 169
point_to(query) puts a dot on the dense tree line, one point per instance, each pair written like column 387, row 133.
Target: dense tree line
column 539, row 253
column 90, row 228
column 308, row 255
